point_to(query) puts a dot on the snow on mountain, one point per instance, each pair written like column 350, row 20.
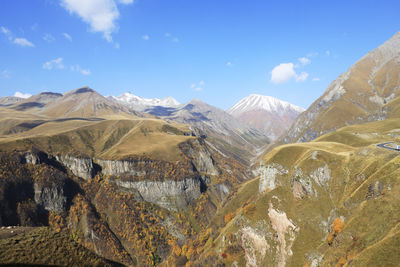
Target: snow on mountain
column 229, row 135
column 268, row 103
column 140, row 103
column 267, row 114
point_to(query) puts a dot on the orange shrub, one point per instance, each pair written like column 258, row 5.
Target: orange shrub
column 228, row 217
column 338, row 225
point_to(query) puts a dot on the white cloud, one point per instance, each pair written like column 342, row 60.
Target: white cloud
column 198, row 86
column 23, row 42
column 5, row 74
column 229, row 64
column 312, row 54
column 304, row 61
column 17, row 41
column 22, row 95
column 67, row 36
column 328, row 53
column 78, row 68
column 146, row 37
column 316, row 79
column 125, row 2
column 49, row 38
column 171, row 37
column 302, row 77
column 55, row 63
column 99, row 14
column 285, row 72
column 4, row 30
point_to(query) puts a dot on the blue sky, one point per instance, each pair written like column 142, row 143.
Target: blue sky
column 217, row 51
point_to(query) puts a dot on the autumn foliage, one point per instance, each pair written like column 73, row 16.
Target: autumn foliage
column 228, row 217
column 337, row 227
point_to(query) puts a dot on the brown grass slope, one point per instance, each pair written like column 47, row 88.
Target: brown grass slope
column 356, row 96
column 114, row 138
column 333, row 202
column 44, row 246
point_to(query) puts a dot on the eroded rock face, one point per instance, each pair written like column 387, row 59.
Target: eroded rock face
column 200, row 157
column 322, row 175
column 268, row 175
column 374, row 190
column 50, row 197
column 255, row 246
column 81, row 167
column 285, row 230
column 169, row 194
column 115, row 167
column 31, row 158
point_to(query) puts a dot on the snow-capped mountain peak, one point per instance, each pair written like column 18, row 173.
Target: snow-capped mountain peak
column 267, row 114
column 261, row 102
column 140, row 103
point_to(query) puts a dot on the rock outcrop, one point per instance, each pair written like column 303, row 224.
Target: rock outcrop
column 115, row 167
column 200, row 157
column 170, row 194
column 81, row 167
column 50, row 197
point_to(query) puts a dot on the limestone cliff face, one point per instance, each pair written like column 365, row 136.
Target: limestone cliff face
column 169, row 194
column 81, row 167
column 200, row 157
column 115, row 167
column 170, row 185
column 50, row 197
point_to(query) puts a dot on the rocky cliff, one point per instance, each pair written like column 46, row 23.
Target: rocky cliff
column 170, row 194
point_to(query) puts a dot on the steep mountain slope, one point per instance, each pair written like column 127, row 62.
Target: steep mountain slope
column 9, row 100
column 267, row 114
column 355, row 96
column 83, row 102
column 232, row 137
column 139, row 103
column 331, row 202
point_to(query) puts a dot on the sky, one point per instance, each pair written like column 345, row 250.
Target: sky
column 216, row 51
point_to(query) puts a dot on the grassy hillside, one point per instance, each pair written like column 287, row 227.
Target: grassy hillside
column 359, row 95
column 331, row 202
column 110, row 137
column 44, row 246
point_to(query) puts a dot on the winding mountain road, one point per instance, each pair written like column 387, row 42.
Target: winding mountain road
column 384, row 145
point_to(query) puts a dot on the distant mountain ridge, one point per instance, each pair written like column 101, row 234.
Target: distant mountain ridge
column 267, row 114
column 228, row 134
column 82, row 102
column 140, row 103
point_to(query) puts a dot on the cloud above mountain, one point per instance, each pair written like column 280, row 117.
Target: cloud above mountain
column 285, row 72
column 22, row 95
column 101, row 15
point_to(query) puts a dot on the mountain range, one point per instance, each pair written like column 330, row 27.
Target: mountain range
column 109, row 181
column 140, row 103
